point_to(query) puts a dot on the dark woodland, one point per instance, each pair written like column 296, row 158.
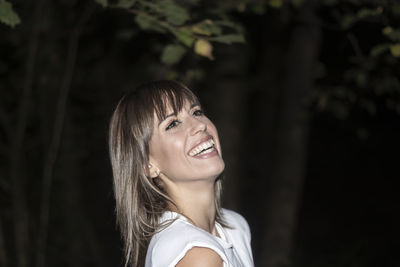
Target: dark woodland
column 305, row 95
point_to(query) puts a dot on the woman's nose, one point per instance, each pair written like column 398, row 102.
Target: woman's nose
column 198, row 125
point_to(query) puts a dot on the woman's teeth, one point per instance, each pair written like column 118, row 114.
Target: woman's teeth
column 203, row 148
column 206, row 151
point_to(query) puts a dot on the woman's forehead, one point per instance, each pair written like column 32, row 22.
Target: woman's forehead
column 173, row 106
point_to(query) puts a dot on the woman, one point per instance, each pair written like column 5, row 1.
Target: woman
column 166, row 160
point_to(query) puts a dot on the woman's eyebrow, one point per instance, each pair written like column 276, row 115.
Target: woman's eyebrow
column 166, row 117
column 174, row 113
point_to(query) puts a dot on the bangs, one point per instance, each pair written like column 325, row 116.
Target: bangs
column 152, row 100
column 170, row 94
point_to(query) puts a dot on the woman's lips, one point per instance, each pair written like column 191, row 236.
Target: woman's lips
column 204, row 144
column 213, row 152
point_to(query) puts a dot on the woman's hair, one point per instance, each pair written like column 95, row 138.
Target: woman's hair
column 140, row 200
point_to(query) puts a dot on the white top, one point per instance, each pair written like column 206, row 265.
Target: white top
column 170, row 245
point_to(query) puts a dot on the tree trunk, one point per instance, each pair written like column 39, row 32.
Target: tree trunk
column 48, row 169
column 20, row 213
column 287, row 175
column 229, row 114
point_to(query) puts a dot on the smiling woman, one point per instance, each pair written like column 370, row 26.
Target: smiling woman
column 166, row 159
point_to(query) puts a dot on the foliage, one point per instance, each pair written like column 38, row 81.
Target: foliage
column 7, row 14
column 357, row 71
column 190, row 28
column 368, row 74
column 368, row 77
column 172, row 54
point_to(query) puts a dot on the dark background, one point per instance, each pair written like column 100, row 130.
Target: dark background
column 308, row 118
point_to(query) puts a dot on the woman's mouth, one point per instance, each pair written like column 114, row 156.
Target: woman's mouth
column 203, row 148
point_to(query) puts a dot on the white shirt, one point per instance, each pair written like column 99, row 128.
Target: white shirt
column 170, row 245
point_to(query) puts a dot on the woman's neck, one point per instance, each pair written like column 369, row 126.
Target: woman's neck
column 196, row 201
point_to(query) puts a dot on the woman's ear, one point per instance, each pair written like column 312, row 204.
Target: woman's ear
column 152, row 171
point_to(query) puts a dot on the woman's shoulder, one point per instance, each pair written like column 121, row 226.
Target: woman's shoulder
column 236, row 221
column 233, row 216
column 181, row 232
column 171, row 244
column 239, row 234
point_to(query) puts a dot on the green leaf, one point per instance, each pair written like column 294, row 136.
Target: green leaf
column 203, row 48
column 146, row 22
column 125, row 3
column 396, row 9
column 379, row 49
column 361, row 79
column 258, row 8
column 103, row 3
column 185, row 36
column 366, row 12
column 125, row 34
column 229, row 24
column 8, row 15
column 392, row 34
column 350, row 19
column 174, row 14
column 275, row 3
column 387, row 30
column 228, row 38
column 347, row 21
column 200, row 30
column 297, row 3
column 207, row 27
column 213, row 28
column 395, row 50
column 172, row 54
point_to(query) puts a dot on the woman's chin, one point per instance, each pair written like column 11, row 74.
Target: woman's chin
column 218, row 169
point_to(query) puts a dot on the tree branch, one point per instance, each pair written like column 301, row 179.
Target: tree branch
column 354, row 43
column 52, row 154
column 21, row 234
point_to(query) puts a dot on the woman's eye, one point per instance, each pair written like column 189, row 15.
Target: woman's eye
column 172, row 124
column 198, row 112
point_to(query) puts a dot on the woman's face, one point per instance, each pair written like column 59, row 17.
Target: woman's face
column 185, row 146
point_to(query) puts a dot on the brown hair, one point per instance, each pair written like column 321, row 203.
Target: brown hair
column 140, row 201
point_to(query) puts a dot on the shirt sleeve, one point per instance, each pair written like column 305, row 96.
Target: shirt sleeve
column 172, row 244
